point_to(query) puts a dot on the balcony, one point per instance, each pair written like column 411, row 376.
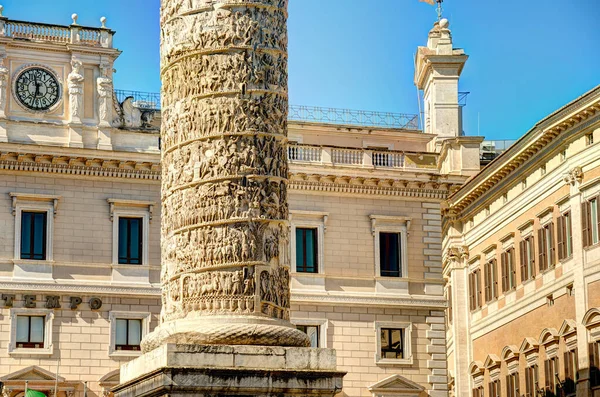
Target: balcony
column 361, row 158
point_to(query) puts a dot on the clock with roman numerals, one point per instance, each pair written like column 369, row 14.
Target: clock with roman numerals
column 37, row 89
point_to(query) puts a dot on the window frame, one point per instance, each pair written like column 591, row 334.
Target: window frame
column 131, row 213
column 590, row 226
column 399, row 254
column 321, row 323
column 309, row 220
column 407, row 343
column 39, row 207
column 129, row 246
column 129, row 347
column 551, row 363
column 527, row 257
column 475, row 298
column 48, row 348
column 316, row 252
column 546, row 248
column 402, row 246
column 532, row 380
column 113, row 316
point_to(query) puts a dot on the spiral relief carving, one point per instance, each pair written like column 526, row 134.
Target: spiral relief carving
column 225, row 232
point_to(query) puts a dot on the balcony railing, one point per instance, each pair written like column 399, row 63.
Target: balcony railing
column 73, row 34
column 363, row 158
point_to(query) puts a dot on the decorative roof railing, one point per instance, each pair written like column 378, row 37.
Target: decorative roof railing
column 151, row 100
column 365, row 158
column 354, row 117
column 72, row 34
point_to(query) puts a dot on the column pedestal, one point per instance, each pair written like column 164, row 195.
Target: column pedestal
column 210, row 370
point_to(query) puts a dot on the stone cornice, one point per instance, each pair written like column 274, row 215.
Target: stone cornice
column 575, row 116
column 78, row 288
column 324, row 298
column 369, row 186
column 79, row 164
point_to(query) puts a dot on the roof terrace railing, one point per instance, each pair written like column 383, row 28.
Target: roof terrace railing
column 354, row 117
column 151, row 100
column 71, row 34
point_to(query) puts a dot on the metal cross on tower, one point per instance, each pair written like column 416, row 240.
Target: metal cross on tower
column 439, row 8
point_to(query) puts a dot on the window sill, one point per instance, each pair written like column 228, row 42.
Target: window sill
column 129, row 266
column 391, row 361
column 305, row 274
column 33, row 262
column 124, row 353
column 24, row 351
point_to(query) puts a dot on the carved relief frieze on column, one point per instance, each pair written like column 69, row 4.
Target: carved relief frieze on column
column 225, row 235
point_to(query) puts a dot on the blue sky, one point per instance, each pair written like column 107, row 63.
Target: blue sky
column 527, row 58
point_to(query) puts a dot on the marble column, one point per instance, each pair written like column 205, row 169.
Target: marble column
column 225, row 232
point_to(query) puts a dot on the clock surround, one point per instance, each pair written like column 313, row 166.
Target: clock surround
column 37, row 88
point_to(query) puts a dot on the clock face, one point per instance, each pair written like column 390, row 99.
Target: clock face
column 37, row 89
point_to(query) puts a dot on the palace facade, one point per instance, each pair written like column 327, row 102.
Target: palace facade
column 80, row 219
column 522, row 261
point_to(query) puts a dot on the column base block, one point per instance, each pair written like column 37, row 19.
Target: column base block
column 217, row 370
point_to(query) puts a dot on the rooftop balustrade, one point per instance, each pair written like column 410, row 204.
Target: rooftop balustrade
column 64, row 34
column 364, row 158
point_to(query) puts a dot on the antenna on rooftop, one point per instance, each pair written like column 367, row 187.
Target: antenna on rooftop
column 439, row 9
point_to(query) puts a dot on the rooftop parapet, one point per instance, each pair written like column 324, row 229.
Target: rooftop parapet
column 62, row 34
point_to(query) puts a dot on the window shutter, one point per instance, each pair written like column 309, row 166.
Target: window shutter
column 487, row 281
column 547, row 373
column 541, row 249
column 494, row 277
column 523, row 260
column 585, row 224
column 567, row 365
column 504, row 270
column 512, row 268
column 560, row 228
column 478, row 289
column 516, row 384
column 552, row 253
column 472, row 291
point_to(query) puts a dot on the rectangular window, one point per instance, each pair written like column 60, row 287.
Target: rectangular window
column 531, row 381
column 507, row 261
column 33, row 235
column 389, row 254
column 475, row 289
column 565, row 236
column 490, row 280
column 313, row 334
column 594, row 349
column 512, row 385
column 589, row 139
column 551, row 374
column 128, row 334
column 130, row 241
column 495, row 388
column 527, row 258
column 306, row 250
column 30, row 331
column 392, row 343
column 546, row 247
column 571, row 368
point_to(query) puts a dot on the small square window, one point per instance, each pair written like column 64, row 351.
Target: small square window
column 127, row 329
column 313, row 334
column 389, row 254
column 487, row 210
column 30, row 332
column 524, row 184
column 306, row 250
column 563, row 155
column 33, row 235
column 130, row 240
column 589, row 139
column 392, row 343
column 128, row 334
column 543, row 170
column 505, row 198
